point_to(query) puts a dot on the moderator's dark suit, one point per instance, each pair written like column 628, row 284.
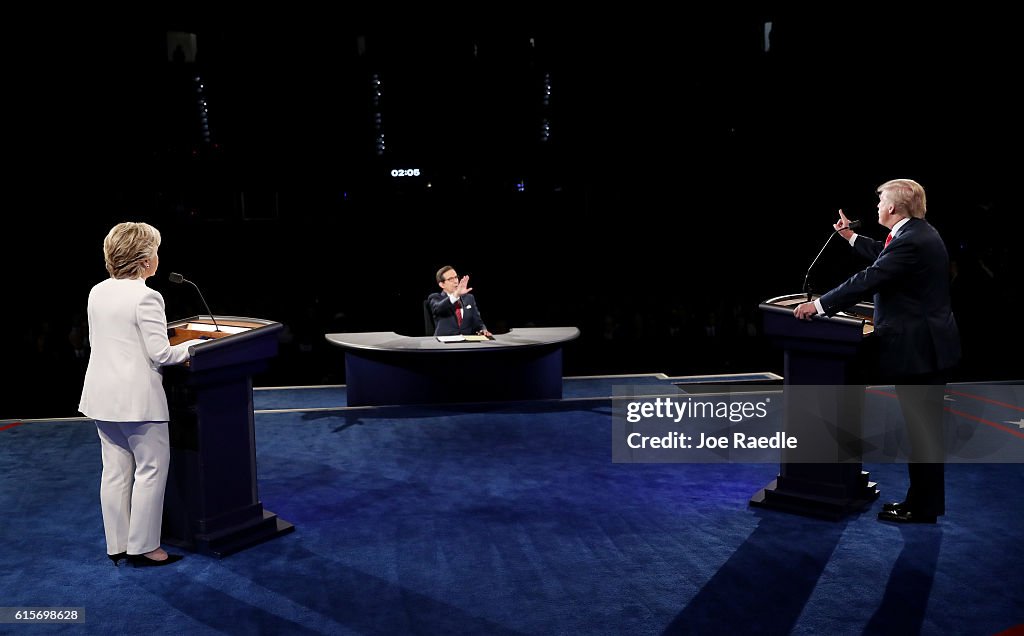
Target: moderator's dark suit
column 918, row 341
column 444, row 315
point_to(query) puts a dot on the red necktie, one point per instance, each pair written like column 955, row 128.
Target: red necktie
column 888, row 240
column 458, row 312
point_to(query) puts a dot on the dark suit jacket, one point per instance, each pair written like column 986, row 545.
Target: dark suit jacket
column 444, row 315
column 913, row 316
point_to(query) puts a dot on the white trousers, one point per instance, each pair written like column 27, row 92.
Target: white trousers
column 135, row 460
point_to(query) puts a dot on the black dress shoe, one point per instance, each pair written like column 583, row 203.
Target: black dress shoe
column 905, row 516
column 117, row 557
column 896, row 505
column 143, row 561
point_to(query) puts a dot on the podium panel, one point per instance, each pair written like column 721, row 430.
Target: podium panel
column 212, row 502
column 824, row 351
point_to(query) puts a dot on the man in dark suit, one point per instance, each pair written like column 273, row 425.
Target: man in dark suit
column 917, row 336
column 454, row 308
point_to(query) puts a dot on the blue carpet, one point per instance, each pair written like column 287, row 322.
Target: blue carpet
column 508, row 519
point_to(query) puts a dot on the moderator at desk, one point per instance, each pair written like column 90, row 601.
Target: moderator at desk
column 383, row 367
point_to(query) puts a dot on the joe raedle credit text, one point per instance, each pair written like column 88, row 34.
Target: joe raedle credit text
column 700, row 429
column 980, row 423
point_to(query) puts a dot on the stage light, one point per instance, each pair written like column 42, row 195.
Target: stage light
column 378, row 116
column 203, row 107
column 545, row 134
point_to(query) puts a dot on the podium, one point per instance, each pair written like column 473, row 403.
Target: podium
column 212, row 504
column 824, row 361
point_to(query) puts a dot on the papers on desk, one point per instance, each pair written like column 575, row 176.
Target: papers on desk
column 195, row 341
column 462, row 338
column 202, row 326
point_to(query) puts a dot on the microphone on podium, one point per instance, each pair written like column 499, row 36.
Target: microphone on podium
column 853, row 225
column 178, row 279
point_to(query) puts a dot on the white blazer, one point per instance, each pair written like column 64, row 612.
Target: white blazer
column 128, row 338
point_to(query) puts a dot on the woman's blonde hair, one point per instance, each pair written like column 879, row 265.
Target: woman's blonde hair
column 126, row 247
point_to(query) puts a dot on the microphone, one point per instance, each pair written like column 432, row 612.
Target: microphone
column 807, row 277
column 178, row 279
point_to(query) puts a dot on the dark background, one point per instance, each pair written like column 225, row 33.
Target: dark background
column 688, row 174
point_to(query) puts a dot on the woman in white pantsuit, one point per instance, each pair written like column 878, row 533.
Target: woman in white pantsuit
column 124, row 394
